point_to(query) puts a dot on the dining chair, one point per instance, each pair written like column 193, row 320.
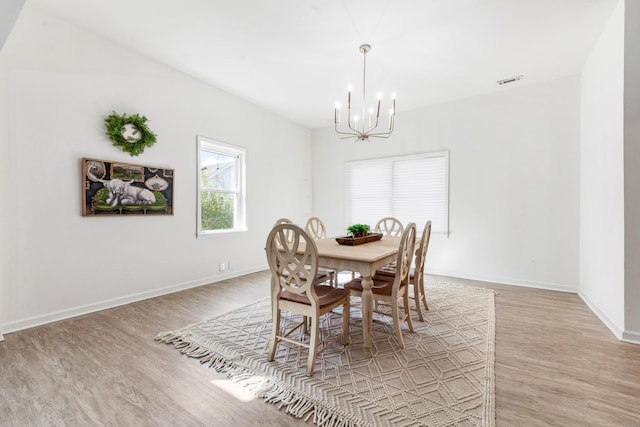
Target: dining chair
column 388, row 290
column 419, row 294
column 296, row 289
column 416, row 274
column 324, row 274
column 316, row 229
column 279, row 221
column 389, row 226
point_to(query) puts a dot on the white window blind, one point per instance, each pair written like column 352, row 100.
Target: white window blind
column 411, row 189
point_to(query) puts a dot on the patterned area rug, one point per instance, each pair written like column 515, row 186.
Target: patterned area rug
column 444, row 376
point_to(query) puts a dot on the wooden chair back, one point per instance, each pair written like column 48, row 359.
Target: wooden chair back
column 313, row 224
column 315, row 228
column 288, row 234
column 405, row 256
column 389, row 226
column 290, row 271
column 421, row 254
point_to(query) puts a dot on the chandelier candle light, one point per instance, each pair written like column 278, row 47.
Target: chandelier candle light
column 362, row 131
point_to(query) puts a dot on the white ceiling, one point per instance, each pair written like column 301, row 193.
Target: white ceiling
column 297, row 57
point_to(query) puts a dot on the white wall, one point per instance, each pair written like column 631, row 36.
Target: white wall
column 632, row 170
column 602, row 227
column 514, row 174
column 58, row 82
column 9, row 11
column 6, row 215
column 516, row 214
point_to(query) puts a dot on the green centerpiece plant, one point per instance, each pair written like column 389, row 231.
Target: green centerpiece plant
column 358, row 230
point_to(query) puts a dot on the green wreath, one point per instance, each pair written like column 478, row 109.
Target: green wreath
column 129, row 133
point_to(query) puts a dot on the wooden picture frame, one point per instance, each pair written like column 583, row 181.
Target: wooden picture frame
column 117, row 188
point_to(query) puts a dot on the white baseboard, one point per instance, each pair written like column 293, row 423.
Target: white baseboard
column 115, row 302
column 632, row 337
column 627, row 336
column 524, row 283
column 615, row 329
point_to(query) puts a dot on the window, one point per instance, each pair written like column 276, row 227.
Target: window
column 221, row 187
column 410, row 188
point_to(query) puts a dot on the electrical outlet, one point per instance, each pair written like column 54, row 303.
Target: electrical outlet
column 223, row 267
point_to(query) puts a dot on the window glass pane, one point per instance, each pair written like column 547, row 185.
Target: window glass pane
column 217, row 211
column 217, row 171
column 222, row 188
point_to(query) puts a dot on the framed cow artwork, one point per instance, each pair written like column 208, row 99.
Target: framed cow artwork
column 121, row 189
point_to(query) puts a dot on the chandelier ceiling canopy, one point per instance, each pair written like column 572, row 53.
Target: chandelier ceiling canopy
column 363, row 127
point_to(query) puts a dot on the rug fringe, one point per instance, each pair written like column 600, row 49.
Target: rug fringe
column 274, row 392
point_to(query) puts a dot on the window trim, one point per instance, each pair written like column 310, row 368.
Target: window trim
column 240, row 219
column 387, row 160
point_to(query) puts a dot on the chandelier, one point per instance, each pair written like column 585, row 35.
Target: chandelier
column 362, row 127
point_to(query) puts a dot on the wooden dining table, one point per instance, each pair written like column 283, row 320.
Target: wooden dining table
column 365, row 259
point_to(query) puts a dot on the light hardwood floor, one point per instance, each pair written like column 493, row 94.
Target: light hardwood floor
column 556, row 365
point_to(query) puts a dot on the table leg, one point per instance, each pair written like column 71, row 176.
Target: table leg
column 367, row 310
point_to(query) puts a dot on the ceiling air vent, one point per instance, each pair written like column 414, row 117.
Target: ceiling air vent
column 510, row 80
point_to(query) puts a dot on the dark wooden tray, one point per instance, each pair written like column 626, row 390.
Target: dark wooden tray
column 352, row 241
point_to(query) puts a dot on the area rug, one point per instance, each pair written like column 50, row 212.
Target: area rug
column 443, row 377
